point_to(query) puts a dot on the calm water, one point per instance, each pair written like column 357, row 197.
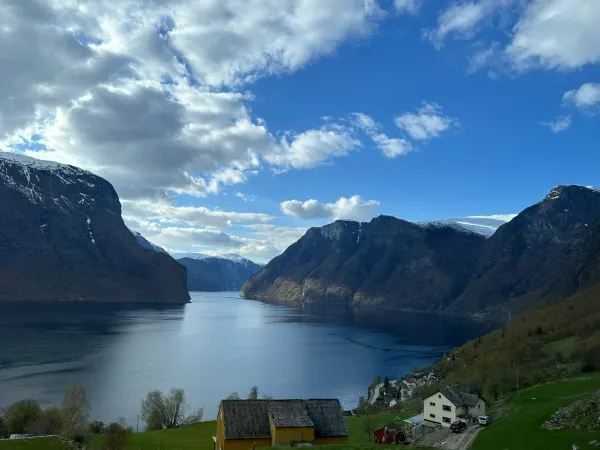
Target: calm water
column 211, row 347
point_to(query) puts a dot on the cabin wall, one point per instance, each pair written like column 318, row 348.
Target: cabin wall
column 331, row 440
column 220, row 436
column 287, row 435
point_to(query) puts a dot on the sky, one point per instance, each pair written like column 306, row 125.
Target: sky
column 231, row 126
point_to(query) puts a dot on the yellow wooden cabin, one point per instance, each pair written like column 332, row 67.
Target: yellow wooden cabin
column 247, row 424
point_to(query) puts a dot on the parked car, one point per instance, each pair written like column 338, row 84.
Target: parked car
column 484, row 420
column 458, row 427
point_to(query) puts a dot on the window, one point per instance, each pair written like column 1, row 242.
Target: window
column 447, row 408
column 446, row 419
column 439, row 396
column 432, row 416
column 431, row 403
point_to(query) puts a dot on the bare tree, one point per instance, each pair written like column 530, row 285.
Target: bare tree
column 233, row 396
column 161, row 411
column 75, row 411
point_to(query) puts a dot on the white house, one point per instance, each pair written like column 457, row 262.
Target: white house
column 447, row 405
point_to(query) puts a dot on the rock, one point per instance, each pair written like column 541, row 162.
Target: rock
column 62, row 238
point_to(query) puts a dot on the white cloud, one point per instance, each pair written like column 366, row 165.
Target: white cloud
column 407, row 6
column 352, row 208
column 390, row 147
column 462, row 19
column 561, row 34
column 558, row 125
column 312, row 148
column 427, row 123
column 585, row 97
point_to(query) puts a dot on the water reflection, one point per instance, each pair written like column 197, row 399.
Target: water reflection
column 214, row 346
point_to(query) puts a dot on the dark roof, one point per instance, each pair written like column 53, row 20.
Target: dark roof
column 460, row 398
column 249, row 419
column 327, row 416
column 289, row 413
column 246, row 419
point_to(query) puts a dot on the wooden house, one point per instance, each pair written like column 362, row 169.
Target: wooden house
column 247, row 424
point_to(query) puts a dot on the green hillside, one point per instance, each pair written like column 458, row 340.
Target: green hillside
column 521, row 415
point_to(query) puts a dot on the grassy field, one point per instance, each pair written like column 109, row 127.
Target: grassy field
column 199, row 437
column 521, row 415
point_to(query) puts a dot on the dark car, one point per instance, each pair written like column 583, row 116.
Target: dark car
column 458, row 427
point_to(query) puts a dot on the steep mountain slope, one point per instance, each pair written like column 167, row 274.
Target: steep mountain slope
column 388, row 263
column 550, row 250
column 62, row 238
column 215, row 273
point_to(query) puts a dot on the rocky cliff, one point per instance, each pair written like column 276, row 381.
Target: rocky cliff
column 388, row 263
column 550, row 250
column 62, row 238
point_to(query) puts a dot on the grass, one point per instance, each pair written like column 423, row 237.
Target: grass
column 32, row 444
column 521, row 415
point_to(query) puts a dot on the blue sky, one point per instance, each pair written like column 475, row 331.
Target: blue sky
column 487, row 104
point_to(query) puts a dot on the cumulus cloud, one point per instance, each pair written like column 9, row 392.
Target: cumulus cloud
column 558, row 125
column 154, row 99
column 427, row 123
column 352, row 208
column 312, row 148
column 586, row 97
column 560, row 34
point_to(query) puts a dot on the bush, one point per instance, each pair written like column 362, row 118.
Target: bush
column 97, row 427
column 21, row 415
column 115, row 437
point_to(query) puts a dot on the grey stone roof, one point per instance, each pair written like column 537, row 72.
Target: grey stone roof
column 249, row 419
column 460, row 398
column 289, row 413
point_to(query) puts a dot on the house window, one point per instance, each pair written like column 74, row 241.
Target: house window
column 447, row 408
column 432, row 416
column 431, row 403
column 439, row 396
column 446, row 419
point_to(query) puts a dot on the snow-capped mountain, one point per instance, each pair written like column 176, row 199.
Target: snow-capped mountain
column 62, row 238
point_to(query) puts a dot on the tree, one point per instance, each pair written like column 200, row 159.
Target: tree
column 161, row 411
column 97, row 427
column 253, row 394
column 75, row 411
column 233, row 396
column 21, row 415
column 49, row 422
column 115, row 437
column 3, row 428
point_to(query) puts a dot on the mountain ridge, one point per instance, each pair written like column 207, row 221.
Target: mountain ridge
column 551, row 248
column 62, row 237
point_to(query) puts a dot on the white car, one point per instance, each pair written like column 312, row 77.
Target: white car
column 484, row 420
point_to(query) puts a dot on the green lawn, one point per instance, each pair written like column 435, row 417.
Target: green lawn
column 521, row 415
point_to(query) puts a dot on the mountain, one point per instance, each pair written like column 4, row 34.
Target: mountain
column 218, row 273
column 550, row 250
column 387, row 263
column 62, row 238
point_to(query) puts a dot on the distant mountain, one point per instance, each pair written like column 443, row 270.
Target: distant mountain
column 218, row 273
column 484, row 225
column 550, row 250
column 62, row 238
column 387, row 263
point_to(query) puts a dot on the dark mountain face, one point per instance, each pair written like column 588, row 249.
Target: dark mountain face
column 218, row 274
column 388, row 263
column 62, row 238
column 550, row 250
